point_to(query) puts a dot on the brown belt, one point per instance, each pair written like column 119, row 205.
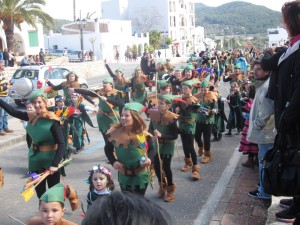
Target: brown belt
column 127, row 172
column 187, row 120
column 44, row 148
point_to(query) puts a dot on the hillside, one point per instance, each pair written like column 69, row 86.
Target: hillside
column 236, row 18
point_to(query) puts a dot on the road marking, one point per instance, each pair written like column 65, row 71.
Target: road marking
column 95, row 147
column 208, row 209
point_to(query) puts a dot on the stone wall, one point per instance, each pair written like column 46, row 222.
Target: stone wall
column 83, row 69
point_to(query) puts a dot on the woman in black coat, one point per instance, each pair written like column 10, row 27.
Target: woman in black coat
column 284, row 89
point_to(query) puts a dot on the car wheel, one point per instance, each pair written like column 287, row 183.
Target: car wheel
column 19, row 102
column 23, row 86
column 84, row 86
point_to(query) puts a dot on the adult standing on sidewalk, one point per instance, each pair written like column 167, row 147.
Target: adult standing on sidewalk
column 261, row 123
column 48, row 144
column 5, row 57
column 4, row 86
column 285, row 90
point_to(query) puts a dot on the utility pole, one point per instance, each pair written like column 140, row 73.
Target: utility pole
column 74, row 10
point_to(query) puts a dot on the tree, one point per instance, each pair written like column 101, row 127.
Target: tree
column 146, row 19
column 155, row 38
column 15, row 12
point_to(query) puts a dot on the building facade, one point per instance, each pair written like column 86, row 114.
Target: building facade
column 105, row 37
column 177, row 19
column 27, row 41
column 277, row 36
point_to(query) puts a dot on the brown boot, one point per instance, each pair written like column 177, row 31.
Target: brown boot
column 169, row 197
column 162, row 190
column 206, row 157
column 195, row 172
column 201, row 150
column 73, row 198
column 188, row 165
column 250, row 162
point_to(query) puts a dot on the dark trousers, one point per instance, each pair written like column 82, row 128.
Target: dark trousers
column 206, row 130
column 166, row 167
column 51, row 181
column 188, row 146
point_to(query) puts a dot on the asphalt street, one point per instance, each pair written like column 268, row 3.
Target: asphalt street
column 195, row 201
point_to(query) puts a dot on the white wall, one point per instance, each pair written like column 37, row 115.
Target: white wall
column 277, row 39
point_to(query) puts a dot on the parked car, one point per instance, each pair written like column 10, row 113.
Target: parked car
column 27, row 79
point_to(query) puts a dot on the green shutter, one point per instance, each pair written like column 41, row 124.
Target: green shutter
column 33, row 39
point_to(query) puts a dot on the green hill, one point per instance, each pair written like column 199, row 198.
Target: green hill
column 236, row 18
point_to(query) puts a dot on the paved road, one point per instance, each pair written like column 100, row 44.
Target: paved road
column 195, row 202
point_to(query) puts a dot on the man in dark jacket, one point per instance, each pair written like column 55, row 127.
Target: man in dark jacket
column 5, row 57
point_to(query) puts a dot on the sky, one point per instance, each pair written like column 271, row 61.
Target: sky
column 63, row 9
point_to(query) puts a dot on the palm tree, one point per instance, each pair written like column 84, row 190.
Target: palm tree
column 15, row 12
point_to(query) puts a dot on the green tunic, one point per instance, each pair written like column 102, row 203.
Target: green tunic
column 187, row 115
column 129, row 153
column 206, row 117
column 108, row 119
column 41, row 135
column 139, row 93
column 163, row 123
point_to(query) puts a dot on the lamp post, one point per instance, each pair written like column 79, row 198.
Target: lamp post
column 194, row 47
column 81, row 25
column 48, row 44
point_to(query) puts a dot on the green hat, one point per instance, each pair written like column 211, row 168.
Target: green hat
column 162, row 83
column 168, row 59
column 119, row 70
column 134, row 106
column 190, row 83
column 168, row 97
column 54, row 194
column 108, row 80
column 205, row 82
column 39, row 93
column 189, row 66
column 237, row 66
column 137, row 68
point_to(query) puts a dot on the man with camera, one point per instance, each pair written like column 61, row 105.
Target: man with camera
column 4, row 86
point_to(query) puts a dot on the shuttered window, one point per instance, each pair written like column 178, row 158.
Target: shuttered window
column 33, row 39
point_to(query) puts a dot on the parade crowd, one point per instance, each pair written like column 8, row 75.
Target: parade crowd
column 263, row 87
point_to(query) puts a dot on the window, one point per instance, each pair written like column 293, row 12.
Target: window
column 33, row 39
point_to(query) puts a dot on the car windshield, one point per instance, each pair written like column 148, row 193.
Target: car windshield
column 26, row 73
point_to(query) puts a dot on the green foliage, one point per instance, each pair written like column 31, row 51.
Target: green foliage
column 134, row 48
column 236, row 18
column 58, row 23
column 155, row 38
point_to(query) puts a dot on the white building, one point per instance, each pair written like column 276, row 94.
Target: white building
column 277, row 36
column 104, row 37
column 28, row 40
column 177, row 18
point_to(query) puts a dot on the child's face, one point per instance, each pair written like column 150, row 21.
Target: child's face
column 29, row 107
column 163, row 106
column 60, row 104
column 74, row 98
column 51, row 212
column 99, row 181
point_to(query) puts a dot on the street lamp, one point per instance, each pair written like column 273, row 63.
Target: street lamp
column 81, row 25
column 48, row 43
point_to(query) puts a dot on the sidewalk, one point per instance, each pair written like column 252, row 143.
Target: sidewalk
column 237, row 208
column 234, row 208
column 18, row 135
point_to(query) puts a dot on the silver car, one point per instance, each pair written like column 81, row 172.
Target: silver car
column 27, row 79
